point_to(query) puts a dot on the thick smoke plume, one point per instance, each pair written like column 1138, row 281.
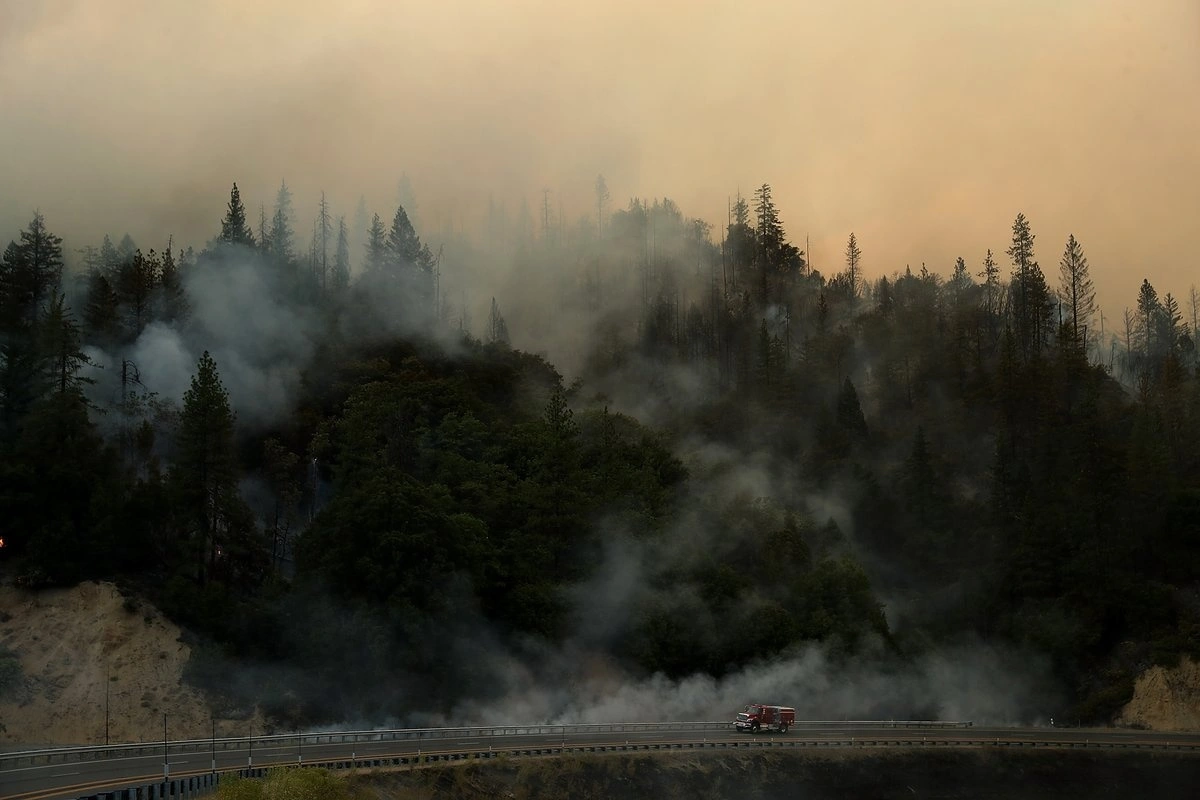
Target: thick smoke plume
column 239, row 314
column 971, row 682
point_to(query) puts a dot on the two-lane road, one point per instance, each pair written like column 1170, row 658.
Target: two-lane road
column 66, row 775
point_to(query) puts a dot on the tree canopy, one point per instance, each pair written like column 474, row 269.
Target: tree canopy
column 745, row 459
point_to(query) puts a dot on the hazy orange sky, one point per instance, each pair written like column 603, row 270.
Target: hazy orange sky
column 924, row 126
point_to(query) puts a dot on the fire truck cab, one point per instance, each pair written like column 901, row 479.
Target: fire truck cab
column 757, row 717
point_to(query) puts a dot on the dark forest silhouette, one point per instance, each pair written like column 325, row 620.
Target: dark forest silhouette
column 1008, row 468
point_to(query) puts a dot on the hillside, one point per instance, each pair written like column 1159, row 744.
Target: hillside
column 67, row 640
column 1165, row 699
column 921, row 489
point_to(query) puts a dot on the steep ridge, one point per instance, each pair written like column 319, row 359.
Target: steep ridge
column 70, row 643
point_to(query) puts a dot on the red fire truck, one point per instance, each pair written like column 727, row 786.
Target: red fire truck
column 757, row 717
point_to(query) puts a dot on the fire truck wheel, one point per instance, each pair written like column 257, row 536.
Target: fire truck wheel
column 754, row 728
column 783, row 728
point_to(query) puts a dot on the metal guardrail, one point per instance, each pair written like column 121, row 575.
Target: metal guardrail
column 187, row 786
column 67, row 755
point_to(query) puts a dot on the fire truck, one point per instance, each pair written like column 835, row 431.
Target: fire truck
column 757, row 717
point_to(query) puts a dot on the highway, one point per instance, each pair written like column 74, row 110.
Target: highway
column 77, row 772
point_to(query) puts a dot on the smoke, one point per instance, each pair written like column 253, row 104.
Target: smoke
column 525, row 682
column 239, row 313
column 604, row 603
column 974, row 681
column 924, row 132
column 263, row 342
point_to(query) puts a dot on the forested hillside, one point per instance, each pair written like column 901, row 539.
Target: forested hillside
column 385, row 478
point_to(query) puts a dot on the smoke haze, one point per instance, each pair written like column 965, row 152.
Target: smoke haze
column 260, row 343
column 923, row 127
column 977, row 683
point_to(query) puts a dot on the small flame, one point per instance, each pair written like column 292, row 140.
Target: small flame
column 1, row 542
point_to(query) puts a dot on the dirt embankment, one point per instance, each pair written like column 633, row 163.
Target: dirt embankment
column 88, row 647
column 1165, row 699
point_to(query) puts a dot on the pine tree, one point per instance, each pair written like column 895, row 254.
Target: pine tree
column 136, row 286
column 991, row 281
column 314, row 256
column 764, row 363
column 768, row 228
column 960, row 279
column 234, row 229
column 1171, row 326
column 264, row 235
column 1147, row 308
column 1129, row 340
column 172, row 298
column 1031, row 297
column 404, row 249
column 31, row 274
column 341, row 259
column 768, row 233
column 376, row 246
column 109, row 260
column 559, row 415
column 281, row 227
column 849, row 412
column 325, row 227
column 204, row 471
column 886, row 301
column 126, row 248
column 1076, row 291
column 406, row 197
column 61, row 353
column 739, row 242
column 101, row 316
column 853, row 266
column 60, row 463
column 497, row 329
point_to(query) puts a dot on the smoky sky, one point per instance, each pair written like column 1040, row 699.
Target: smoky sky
column 923, row 126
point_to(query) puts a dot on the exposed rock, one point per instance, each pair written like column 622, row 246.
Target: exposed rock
column 1165, row 699
column 70, row 644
